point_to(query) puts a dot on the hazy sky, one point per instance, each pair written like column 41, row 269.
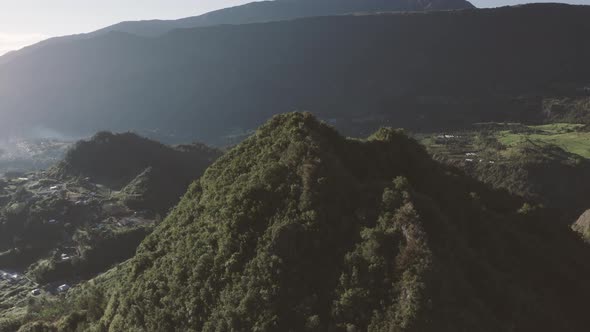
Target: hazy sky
column 24, row 22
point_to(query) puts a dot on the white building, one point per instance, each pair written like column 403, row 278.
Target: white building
column 63, row 288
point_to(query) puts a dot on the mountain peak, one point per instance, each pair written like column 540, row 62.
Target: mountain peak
column 300, row 228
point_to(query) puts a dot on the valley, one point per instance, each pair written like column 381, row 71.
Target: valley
column 365, row 166
column 71, row 222
column 74, row 221
column 547, row 164
column 25, row 155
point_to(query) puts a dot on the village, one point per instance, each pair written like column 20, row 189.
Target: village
column 19, row 154
column 71, row 223
column 463, row 148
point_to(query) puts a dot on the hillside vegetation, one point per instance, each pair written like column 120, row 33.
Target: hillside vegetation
column 151, row 176
column 546, row 164
column 572, row 138
column 84, row 215
column 568, row 109
column 300, row 229
column 254, row 12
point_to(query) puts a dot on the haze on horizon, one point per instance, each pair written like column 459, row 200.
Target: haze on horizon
column 25, row 22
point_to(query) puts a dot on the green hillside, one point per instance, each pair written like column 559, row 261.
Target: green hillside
column 418, row 70
column 151, row 176
column 573, row 138
column 84, row 215
column 547, row 164
column 301, row 229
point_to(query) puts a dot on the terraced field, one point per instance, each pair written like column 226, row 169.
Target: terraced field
column 14, row 295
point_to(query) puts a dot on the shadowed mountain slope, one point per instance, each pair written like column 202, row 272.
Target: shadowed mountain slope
column 151, row 175
column 419, row 70
column 259, row 11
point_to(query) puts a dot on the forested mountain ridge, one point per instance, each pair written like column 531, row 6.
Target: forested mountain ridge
column 415, row 70
column 298, row 228
column 151, row 176
column 114, row 159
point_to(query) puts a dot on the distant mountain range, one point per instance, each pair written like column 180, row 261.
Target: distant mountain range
column 265, row 11
column 415, row 70
column 260, row 11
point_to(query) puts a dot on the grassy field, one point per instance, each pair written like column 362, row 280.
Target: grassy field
column 504, row 142
column 569, row 137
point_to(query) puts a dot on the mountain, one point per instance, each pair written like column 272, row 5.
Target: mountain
column 152, row 176
column 116, row 159
column 260, row 11
column 279, row 10
column 109, row 175
column 86, row 214
column 418, row 70
column 300, row 229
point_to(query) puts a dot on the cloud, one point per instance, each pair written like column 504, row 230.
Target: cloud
column 15, row 41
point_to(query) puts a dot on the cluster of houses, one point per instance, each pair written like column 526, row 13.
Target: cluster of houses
column 61, row 289
column 16, row 278
column 88, row 202
column 12, row 277
column 470, row 158
column 447, row 136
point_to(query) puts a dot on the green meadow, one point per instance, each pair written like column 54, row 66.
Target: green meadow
column 572, row 138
